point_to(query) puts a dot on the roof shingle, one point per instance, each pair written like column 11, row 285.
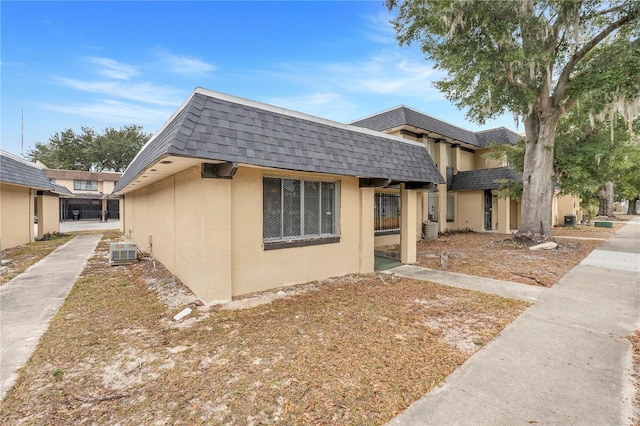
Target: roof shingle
column 483, row 178
column 18, row 171
column 213, row 126
column 405, row 116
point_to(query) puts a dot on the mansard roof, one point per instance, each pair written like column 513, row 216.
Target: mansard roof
column 212, row 126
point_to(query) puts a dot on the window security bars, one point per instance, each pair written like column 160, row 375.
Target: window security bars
column 451, row 215
column 295, row 209
column 433, row 206
column 387, row 212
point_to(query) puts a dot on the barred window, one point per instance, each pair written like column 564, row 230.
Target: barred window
column 296, row 209
column 85, row 185
column 386, row 212
column 451, row 215
column 433, row 206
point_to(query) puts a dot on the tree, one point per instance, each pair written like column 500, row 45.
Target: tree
column 113, row 150
column 65, row 150
column 598, row 161
column 534, row 58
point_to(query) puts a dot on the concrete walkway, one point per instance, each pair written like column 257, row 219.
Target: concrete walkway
column 30, row 300
column 564, row 361
column 508, row 289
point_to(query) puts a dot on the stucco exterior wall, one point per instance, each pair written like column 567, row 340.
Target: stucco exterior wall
column 481, row 162
column 208, row 232
column 16, row 215
column 466, row 161
column 48, row 214
column 469, row 211
column 565, row 205
column 256, row 269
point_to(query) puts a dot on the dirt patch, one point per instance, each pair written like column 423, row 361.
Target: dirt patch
column 508, row 258
column 352, row 350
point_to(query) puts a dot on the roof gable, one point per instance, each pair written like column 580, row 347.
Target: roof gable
column 214, row 126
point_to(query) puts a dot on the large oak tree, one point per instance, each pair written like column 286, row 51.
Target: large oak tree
column 111, row 150
column 535, row 59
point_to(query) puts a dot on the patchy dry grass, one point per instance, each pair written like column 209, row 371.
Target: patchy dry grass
column 502, row 257
column 353, row 350
column 21, row 257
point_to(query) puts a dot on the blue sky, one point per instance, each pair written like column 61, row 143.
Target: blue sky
column 108, row 64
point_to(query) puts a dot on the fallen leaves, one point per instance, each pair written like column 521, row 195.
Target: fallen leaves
column 356, row 349
column 503, row 257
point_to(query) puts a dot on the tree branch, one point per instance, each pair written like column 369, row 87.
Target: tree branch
column 511, row 80
column 564, row 79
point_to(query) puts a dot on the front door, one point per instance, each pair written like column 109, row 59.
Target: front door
column 488, row 204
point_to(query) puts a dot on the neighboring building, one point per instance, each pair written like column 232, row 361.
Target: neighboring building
column 235, row 196
column 465, row 201
column 89, row 193
column 25, row 193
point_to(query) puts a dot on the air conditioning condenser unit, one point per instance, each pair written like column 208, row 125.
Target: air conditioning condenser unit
column 122, row 253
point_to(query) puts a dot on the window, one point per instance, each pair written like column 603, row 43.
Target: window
column 451, row 215
column 85, row 185
column 298, row 210
column 386, row 212
column 433, row 206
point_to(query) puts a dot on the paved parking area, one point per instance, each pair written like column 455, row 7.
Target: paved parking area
column 88, row 225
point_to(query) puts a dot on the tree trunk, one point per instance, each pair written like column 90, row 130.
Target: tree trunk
column 606, row 200
column 632, row 210
column 538, row 174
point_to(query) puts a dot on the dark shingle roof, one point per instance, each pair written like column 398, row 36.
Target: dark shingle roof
column 497, row 136
column 18, row 171
column 62, row 190
column 405, row 116
column 483, row 178
column 213, row 126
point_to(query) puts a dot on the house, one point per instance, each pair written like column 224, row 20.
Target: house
column 466, row 200
column 89, row 194
column 236, row 196
column 25, row 192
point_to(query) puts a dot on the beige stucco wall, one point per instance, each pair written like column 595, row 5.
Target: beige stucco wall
column 256, row 269
column 104, row 186
column 481, row 162
column 565, row 205
column 469, row 211
column 466, row 160
column 16, row 215
column 48, row 214
column 208, row 232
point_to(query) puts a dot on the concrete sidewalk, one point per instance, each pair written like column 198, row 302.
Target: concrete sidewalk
column 564, row 361
column 528, row 293
column 30, row 300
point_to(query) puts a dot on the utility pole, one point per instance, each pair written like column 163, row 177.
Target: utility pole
column 22, row 132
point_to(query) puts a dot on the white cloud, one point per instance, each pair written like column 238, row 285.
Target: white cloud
column 111, row 68
column 332, row 106
column 379, row 28
column 140, row 92
column 384, row 74
column 184, row 65
column 117, row 112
